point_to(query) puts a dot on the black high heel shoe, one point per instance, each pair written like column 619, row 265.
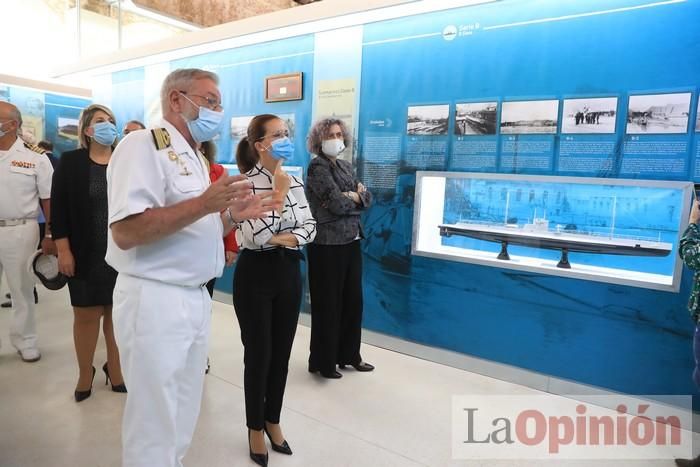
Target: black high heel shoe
column 118, row 387
column 362, row 367
column 282, row 448
column 82, row 395
column 260, row 459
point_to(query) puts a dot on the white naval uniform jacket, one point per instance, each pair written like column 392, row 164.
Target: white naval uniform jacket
column 139, row 177
column 25, row 178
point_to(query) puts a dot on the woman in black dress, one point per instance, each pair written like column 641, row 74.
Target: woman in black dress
column 79, row 226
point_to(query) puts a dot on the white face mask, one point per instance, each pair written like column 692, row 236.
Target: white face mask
column 332, row 147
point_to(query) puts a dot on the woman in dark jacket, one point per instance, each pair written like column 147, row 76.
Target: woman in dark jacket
column 79, row 225
column 337, row 200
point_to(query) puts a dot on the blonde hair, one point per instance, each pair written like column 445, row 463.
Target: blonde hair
column 84, row 123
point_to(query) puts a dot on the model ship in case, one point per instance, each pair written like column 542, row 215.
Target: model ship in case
column 538, row 234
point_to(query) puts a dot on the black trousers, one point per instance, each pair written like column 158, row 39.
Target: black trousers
column 335, row 283
column 266, row 297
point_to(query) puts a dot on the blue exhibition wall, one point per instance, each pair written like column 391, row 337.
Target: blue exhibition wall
column 601, row 88
column 49, row 116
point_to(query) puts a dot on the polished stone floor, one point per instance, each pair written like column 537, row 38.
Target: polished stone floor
column 399, row 415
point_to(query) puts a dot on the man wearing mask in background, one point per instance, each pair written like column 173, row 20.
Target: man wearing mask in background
column 25, row 182
column 166, row 223
column 132, row 125
column 46, row 148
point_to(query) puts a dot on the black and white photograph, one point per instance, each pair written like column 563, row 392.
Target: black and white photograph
column 529, row 117
column 476, row 118
column 595, row 115
column 432, row 120
column 239, row 127
column 659, row 114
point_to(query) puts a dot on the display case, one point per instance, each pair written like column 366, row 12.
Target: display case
column 607, row 230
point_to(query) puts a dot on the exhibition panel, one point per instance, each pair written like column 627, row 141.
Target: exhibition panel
column 531, row 163
column 47, row 115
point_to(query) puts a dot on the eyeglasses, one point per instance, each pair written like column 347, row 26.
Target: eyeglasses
column 277, row 135
column 212, row 104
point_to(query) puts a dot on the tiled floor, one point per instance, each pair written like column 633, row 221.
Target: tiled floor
column 398, row 415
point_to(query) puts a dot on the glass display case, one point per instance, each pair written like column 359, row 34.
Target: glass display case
column 608, row 230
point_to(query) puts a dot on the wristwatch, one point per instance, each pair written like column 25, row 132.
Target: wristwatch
column 231, row 220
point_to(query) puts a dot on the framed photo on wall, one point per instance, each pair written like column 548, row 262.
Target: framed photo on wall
column 286, row 87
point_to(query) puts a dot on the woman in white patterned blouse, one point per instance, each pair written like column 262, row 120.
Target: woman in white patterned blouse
column 267, row 283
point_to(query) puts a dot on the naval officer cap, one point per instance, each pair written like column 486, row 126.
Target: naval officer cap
column 45, row 268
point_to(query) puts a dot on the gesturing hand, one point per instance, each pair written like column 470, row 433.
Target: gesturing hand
column 220, row 194
column 255, row 206
column 281, row 181
column 361, row 188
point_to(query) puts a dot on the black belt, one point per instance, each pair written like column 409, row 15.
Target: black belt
column 280, row 251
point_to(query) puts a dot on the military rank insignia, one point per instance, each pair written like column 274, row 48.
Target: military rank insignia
column 36, row 149
column 161, row 138
column 23, row 164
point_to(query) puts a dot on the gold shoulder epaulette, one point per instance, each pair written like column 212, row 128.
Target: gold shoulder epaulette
column 34, row 148
column 161, row 138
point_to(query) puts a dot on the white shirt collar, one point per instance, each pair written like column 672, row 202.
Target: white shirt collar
column 176, row 138
column 18, row 144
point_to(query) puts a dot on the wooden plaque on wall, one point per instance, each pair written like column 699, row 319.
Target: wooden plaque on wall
column 286, row 87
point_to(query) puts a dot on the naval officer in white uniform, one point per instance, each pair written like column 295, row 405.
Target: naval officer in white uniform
column 166, row 225
column 25, row 181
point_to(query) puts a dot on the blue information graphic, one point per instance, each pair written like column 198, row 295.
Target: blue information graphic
column 527, row 153
column 474, row 153
column 426, row 152
column 587, row 155
column 382, row 153
column 663, row 156
column 62, row 113
column 48, row 116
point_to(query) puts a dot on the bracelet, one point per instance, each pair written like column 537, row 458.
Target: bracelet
column 48, row 236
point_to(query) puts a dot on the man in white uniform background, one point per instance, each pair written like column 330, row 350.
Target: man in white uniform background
column 25, row 181
column 166, row 228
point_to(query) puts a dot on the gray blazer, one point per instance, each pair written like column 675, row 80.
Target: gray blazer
column 337, row 216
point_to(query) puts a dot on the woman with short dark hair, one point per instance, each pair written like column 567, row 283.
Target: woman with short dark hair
column 337, row 200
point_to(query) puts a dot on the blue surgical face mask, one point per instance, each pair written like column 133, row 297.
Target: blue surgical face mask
column 207, row 125
column 104, row 133
column 282, row 149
